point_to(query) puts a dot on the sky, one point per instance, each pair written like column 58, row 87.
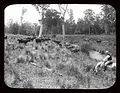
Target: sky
column 32, row 16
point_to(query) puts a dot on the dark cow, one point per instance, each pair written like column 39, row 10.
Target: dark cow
column 99, row 41
column 5, row 37
column 57, row 42
column 24, row 41
column 39, row 40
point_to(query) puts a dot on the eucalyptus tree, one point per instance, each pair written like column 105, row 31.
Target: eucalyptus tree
column 89, row 18
column 24, row 10
column 63, row 9
column 52, row 20
column 71, row 26
column 71, row 19
column 109, row 17
column 41, row 8
column 35, row 29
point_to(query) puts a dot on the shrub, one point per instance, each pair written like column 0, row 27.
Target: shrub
column 72, row 71
column 27, row 84
column 85, row 48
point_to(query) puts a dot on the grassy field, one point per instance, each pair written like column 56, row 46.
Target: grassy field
column 57, row 68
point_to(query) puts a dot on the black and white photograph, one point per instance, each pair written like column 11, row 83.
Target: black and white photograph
column 59, row 46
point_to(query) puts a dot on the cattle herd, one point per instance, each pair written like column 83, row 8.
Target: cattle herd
column 74, row 48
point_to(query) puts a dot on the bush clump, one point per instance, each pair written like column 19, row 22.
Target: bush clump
column 85, row 48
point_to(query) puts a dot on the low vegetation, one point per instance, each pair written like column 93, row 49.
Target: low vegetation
column 36, row 65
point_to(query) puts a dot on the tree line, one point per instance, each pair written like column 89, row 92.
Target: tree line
column 102, row 23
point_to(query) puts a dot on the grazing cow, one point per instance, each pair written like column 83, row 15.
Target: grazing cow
column 23, row 41
column 86, row 39
column 5, row 37
column 39, row 40
column 99, row 41
column 72, row 47
column 57, row 42
column 30, row 38
column 75, row 50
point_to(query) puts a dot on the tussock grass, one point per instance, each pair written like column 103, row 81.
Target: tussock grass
column 27, row 84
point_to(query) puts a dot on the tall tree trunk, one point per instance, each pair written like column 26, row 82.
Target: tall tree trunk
column 40, row 32
column 41, row 25
column 89, row 29
column 106, row 27
column 63, row 29
column 20, row 27
column 35, row 30
column 52, row 30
